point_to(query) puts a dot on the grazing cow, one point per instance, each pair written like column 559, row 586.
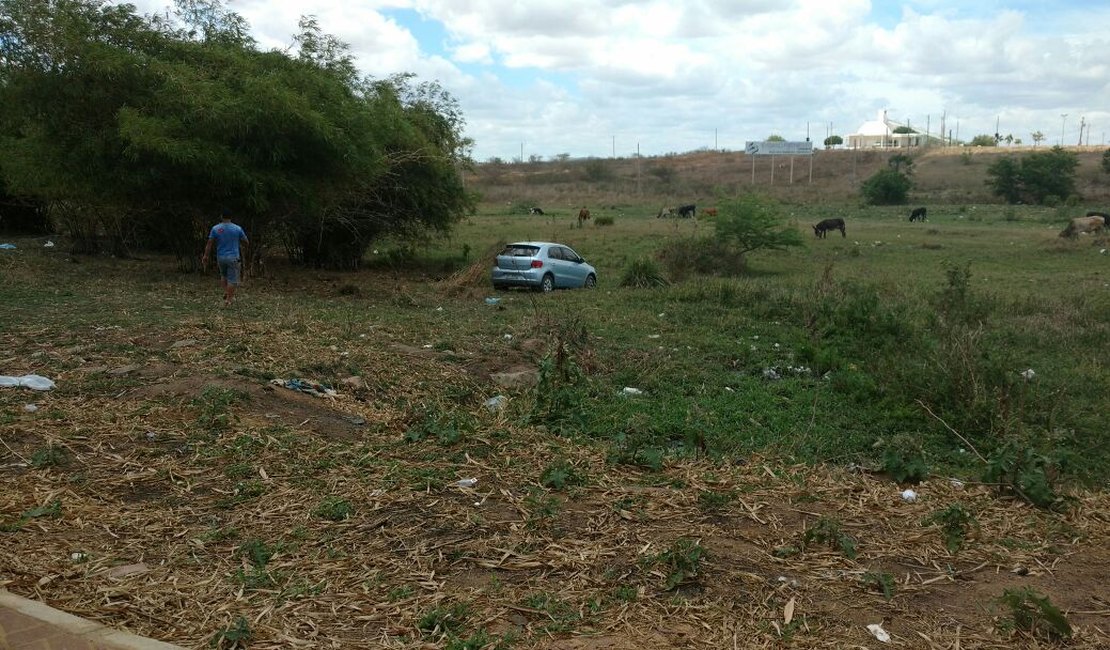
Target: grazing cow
column 665, row 213
column 822, row 228
column 918, row 214
column 1083, row 225
column 535, row 211
column 687, row 211
column 710, row 212
column 583, row 215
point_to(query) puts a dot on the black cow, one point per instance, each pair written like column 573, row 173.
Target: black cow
column 918, row 214
column 535, row 211
column 687, row 211
column 822, row 228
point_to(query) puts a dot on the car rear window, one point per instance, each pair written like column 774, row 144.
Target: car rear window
column 516, row 250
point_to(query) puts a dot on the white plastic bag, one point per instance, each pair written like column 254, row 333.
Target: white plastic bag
column 34, row 382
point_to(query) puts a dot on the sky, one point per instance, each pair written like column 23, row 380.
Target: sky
column 540, row 78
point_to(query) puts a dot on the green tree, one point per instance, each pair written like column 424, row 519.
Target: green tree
column 833, row 140
column 140, row 128
column 1106, row 161
column 983, row 140
column 1037, row 136
column 750, row 222
column 1035, row 177
column 901, row 162
column 775, row 138
column 903, row 130
column 886, row 187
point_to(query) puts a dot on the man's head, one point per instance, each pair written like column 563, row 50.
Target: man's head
column 225, row 214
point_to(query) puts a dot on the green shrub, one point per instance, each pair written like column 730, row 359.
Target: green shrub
column 643, row 273
column 560, row 475
column 606, row 220
column 826, row 530
column 1018, row 467
column 955, row 522
column 688, row 256
column 334, row 509
column 886, row 187
column 1034, row 613
column 904, row 459
column 680, row 562
column 880, row 581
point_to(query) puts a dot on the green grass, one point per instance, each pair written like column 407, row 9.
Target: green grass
column 860, row 315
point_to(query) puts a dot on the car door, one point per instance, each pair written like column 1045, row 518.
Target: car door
column 574, row 271
column 556, row 260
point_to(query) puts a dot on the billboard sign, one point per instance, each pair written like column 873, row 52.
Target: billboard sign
column 777, row 148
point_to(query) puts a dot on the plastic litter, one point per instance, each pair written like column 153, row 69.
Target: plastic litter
column 496, row 403
column 909, row 496
column 31, row 408
column 493, row 301
column 7, row 247
column 878, row 632
column 34, row 382
column 307, row 387
column 466, row 482
column 48, row 244
column 631, row 392
column 1028, row 375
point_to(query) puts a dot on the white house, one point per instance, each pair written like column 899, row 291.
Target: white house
column 880, row 133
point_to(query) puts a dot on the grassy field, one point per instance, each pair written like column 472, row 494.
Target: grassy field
column 745, row 498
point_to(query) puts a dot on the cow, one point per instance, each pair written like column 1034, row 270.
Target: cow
column 665, row 213
column 1096, row 213
column 687, row 211
column 583, row 215
column 822, row 228
column 710, row 212
column 535, row 211
column 1083, row 225
column 918, row 214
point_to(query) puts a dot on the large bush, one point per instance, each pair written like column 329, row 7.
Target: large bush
column 886, row 187
column 145, row 127
column 1040, row 177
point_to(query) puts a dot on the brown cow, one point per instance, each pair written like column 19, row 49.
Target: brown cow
column 583, row 215
column 710, row 212
column 1083, row 225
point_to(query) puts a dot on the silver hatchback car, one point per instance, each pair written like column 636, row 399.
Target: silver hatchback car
column 543, row 266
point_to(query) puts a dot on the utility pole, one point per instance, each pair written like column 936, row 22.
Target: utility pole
column 1082, row 123
column 1063, row 117
column 715, row 140
column 614, row 146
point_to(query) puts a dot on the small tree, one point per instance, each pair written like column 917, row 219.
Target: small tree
column 750, row 223
column 1035, row 177
column 901, row 130
column 775, row 138
column 1106, row 161
column 833, row 140
column 1037, row 138
column 983, row 140
column 900, row 162
column 886, row 187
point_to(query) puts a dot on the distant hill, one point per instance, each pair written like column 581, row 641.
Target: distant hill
column 952, row 175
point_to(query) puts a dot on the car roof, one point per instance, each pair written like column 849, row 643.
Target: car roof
column 535, row 243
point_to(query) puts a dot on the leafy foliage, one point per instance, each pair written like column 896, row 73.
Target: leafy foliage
column 983, row 140
column 1041, row 177
column 833, row 140
column 881, row 581
column 901, row 162
column 681, row 561
column 904, row 459
column 644, row 273
column 886, row 187
column 139, row 129
column 826, row 530
column 1020, row 468
column 1106, row 161
column 955, row 521
column 750, row 223
column 1035, row 613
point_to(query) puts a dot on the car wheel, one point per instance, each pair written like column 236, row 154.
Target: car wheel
column 500, row 287
column 591, row 281
column 547, row 285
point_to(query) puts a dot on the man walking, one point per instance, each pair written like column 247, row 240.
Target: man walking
column 226, row 236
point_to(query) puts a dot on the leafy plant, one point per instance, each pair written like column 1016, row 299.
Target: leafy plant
column 1043, row 177
column 48, row 456
column 711, row 501
column 334, row 509
column 215, row 403
column 1032, row 612
column 643, row 273
column 904, row 459
column 1105, row 163
column 257, row 552
column 1017, row 466
column 604, row 220
column 233, row 637
column 880, row 581
column 444, row 619
column 750, row 223
column 680, row 562
column 886, row 187
column 955, row 522
column 827, row 531
column 559, row 476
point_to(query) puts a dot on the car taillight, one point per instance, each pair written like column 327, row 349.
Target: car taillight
column 536, row 264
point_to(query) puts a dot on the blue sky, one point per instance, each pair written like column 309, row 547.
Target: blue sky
column 583, row 77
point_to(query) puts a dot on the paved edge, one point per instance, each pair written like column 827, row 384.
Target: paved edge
column 77, row 626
